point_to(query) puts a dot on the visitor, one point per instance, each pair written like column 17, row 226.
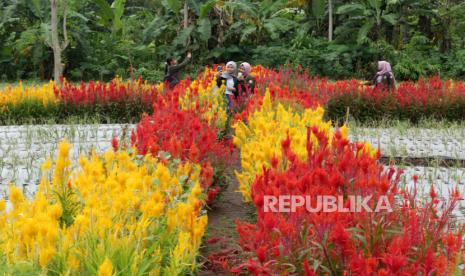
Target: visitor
column 229, row 79
column 173, row 70
column 384, row 78
column 245, row 79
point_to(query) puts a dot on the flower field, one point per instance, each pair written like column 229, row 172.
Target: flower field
column 139, row 206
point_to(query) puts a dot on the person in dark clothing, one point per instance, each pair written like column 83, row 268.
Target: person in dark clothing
column 246, row 80
column 384, row 78
column 229, row 79
column 173, row 70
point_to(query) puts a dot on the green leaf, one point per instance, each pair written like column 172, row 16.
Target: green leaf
column 182, row 37
column 105, row 11
column 217, row 52
column 233, row 49
column 243, row 7
column 154, row 29
column 375, row 4
column 205, row 29
column 206, row 8
column 364, row 30
column 118, row 10
column 246, row 32
column 78, row 15
column 390, row 18
column 351, row 9
column 319, row 8
column 174, row 5
column 277, row 25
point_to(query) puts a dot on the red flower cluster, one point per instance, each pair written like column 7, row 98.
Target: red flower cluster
column 93, row 93
column 411, row 239
column 430, row 97
column 183, row 135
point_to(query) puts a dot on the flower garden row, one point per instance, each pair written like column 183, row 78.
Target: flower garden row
column 140, row 209
column 122, row 102
column 286, row 151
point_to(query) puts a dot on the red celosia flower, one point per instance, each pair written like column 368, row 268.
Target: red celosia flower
column 114, row 144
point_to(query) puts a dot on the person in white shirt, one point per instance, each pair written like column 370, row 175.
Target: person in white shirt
column 229, row 79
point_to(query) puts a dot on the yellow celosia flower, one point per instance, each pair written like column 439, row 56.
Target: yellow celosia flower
column 117, row 205
column 261, row 138
column 16, row 195
column 106, row 268
column 73, row 262
column 46, row 255
column 55, row 211
column 12, row 95
column 47, row 165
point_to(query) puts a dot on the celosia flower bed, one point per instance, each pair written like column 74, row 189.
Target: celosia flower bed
column 137, row 211
column 282, row 156
column 116, row 100
column 259, row 139
column 183, row 135
column 431, row 98
column 413, row 238
column 115, row 212
column 140, row 211
column 120, row 101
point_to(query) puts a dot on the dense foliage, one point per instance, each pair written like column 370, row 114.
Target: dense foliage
column 109, row 37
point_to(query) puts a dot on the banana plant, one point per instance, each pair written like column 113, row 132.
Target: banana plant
column 365, row 17
column 185, row 25
column 259, row 21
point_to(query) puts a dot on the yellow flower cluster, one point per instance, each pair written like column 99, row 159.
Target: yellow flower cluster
column 114, row 211
column 204, row 91
column 260, row 139
column 20, row 93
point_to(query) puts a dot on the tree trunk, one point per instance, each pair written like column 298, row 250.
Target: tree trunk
column 186, row 21
column 57, row 68
column 55, row 45
column 186, row 15
column 330, row 23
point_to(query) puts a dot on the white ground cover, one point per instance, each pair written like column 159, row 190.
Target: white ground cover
column 448, row 143
column 443, row 179
column 414, row 142
column 23, row 149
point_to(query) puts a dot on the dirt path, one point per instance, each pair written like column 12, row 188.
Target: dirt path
column 221, row 237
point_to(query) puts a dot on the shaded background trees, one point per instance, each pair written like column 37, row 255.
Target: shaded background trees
column 108, row 37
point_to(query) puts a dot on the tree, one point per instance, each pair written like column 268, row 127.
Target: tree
column 330, row 20
column 57, row 46
column 366, row 17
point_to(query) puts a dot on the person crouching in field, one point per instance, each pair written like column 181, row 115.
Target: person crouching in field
column 229, row 79
column 384, row 78
column 173, row 70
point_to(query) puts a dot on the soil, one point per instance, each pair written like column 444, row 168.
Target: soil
column 221, row 238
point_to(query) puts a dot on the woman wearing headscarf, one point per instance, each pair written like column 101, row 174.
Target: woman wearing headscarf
column 384, row 77
column 246, row 80
column 229, row 79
